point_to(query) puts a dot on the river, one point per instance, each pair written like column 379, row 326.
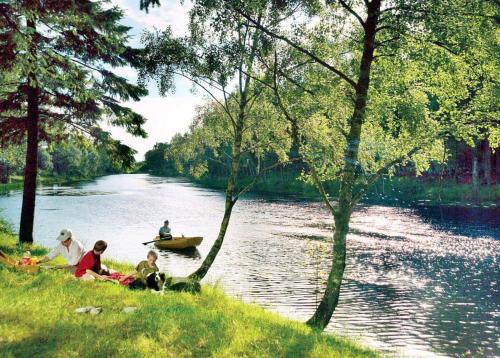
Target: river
column 420, row 281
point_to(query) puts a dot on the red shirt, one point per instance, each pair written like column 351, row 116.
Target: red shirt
column 89, row 261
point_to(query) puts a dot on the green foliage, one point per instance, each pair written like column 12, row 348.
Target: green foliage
column 76, row 157
column 65, row 50
column 12, row 159
column 236, row 131
column 155, row 161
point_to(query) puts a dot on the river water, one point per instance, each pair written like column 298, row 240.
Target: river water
column 420, row 281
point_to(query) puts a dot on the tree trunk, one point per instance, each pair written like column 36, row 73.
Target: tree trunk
column 30, row 171
column 230, row 201
column 497, row 161
column 243, row 86
column 330, row 299
column 486, row 162
column 475, row 172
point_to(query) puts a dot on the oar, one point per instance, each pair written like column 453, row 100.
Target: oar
column 148, row 242
column 161, row 239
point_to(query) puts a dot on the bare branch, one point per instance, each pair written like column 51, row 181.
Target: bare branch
column 385, row 27
column 354, row 13
column 384, row 55
column 382, row 43
column 357, row 197
column 285, row 76
column 297, row 47
column 77, row 61
column 443, row 46
column 321, row 189
column 198, row 83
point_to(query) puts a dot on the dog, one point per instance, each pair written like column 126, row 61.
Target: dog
column 157, row 282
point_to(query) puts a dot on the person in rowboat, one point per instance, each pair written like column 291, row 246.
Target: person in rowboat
column 165, row 232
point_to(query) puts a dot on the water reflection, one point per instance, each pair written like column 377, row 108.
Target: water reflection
column 188, row 253
column 418, row 282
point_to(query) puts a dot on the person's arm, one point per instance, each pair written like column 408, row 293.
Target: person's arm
column 97, row 276
column 51, row 255
column 130, row 275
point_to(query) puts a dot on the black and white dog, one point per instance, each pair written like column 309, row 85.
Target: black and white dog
column 157, row 281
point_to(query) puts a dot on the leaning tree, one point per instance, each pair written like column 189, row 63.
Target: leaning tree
column 352, row 42
column 56, row 60
column 220, row 55
column 377, row 63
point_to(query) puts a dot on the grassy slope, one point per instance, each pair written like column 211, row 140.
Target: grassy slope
column 38, row 319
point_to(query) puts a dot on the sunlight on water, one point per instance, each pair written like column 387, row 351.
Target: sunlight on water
column 419, row 282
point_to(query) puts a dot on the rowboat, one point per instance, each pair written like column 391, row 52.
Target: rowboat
column 178, row 242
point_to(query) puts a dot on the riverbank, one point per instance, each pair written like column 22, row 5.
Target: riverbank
column 38, row 319
column 16, row 182
column 396, row 190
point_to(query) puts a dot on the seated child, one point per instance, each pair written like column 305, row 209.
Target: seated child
column 89, row 267
column 143, row 269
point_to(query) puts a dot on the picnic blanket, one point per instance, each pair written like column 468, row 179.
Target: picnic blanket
column 118, row 276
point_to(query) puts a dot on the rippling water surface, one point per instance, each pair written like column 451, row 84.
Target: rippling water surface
column 419, row 281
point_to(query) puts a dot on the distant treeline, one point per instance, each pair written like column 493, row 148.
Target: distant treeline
column 462, row 164
column 75, row 158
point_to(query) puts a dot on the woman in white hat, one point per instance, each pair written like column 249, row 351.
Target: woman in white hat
column 70, row 248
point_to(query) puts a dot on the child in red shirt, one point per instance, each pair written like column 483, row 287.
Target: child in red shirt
column 89, row 267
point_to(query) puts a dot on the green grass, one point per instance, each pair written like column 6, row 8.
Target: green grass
column 37, row 319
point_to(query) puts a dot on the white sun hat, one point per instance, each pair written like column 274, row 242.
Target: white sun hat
column 65, row 235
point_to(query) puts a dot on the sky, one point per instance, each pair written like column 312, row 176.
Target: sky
column 167, row 115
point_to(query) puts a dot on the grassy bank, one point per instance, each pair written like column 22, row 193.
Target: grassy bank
column 16, row 182
column 396, row 189
column 38, row 320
